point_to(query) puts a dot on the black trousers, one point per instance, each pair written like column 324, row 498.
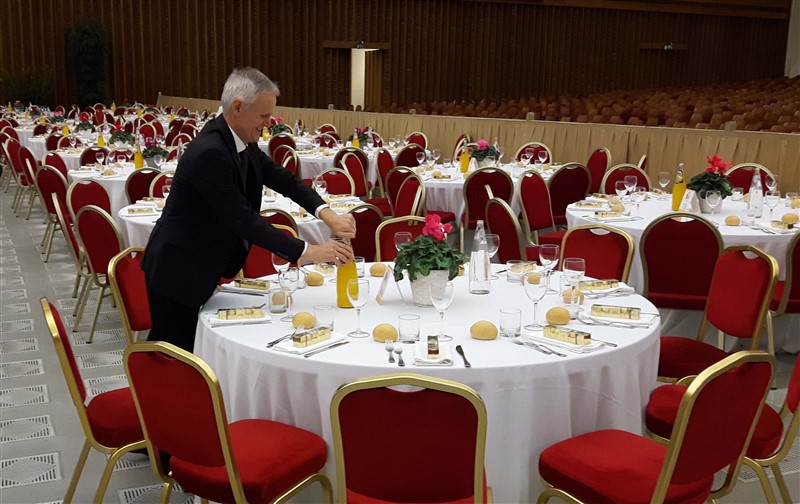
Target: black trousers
column 172, row 322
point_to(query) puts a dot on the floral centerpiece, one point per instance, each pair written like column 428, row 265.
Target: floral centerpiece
column 428, row 259
column 83, row 123
column 483, row 151
column 57, row 117
column 712, row 179
column 120, row 136
column 151, row 109
column 18, row 107
column 364, row 134
column 152, row 149
column 35, row 111
column 279, row 127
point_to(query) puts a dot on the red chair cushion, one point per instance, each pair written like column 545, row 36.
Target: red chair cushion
column 678, row 301
column 682, row 357
column 357, row 498
column 445, row 216
column 271, row 457
column 382, row 203
column 113, row 418
column 591, row 467
column 663, row 406
column 554, row 238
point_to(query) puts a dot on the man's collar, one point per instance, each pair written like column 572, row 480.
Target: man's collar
column 240, row 146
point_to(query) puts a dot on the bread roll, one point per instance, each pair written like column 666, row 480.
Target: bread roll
column 314, row 279
column 557, row 316
column 383, row 332
column 483, row 330
column 304, row 319
column 733, row 220
column 377, row 270
column 790, row 218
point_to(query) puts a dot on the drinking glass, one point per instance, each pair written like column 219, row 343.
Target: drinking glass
column 279, row 263
column 408, row 327
column 360, row 265
column 738, row 194
column 100, row 157
column 324, row 316
column 401, row 238
column 129, row 155
column 526, row 159
column 638, row 196
column 493, row 243
column 166, row 188
column 620, row 188
column 370, row 142
column 442, row 297
column 713, row 198
column 321, row 186
column 791, row 196
column 663, row 179
column 289, row 280
column 771, row 181
column 430, row 160
column 630, row 182
column 436, row 153
column 420, row 157
column 574, row 268
column 535, row 290
column 158, row 160
column 771, row 198
column 72, row 141
column 510, row 322
column 358, row 293
column 548, row 257
column 446, row 163
column 542, row 155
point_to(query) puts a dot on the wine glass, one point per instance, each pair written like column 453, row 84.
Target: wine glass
column 663, row 180
column 493, row 243
column 771, row 198
column 430, row 160
column 526, row 159
column 100, row 157
column 72, row 141
column 357, row 293
column 620, row 188
column 442, row 297
column 321, row 186
column 771, row 181
column 401, row 238
column 167, row 187
column 289, row 280
column 535, row 290
column 548, row 257
column 279, row 263
column 420, row 157
column 158, row 160
column 542, row 155
column 630, row 182
column 638, row 196
column 129, row 155
column 436, row 154
column 574, row 268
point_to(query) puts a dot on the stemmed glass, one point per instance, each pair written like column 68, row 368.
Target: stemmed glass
column 663, row 181
column 72, row 141
column 401, row 238
column 526, row 159
column 289, row 280
column 535, row 290
column 630, row 182
column 358, row 293
column 493, row 242
column 167, row 187
column 430, row 160
column 158, row 160
column 542, row 155
column 279, row 263
column 638, row 196
column 771, row 181
column 129, row 155
column 420, row 157
column 620, row 188
column 100, row 157
column 321, row 186
column 442, row 297
column 771, row 198
column 436, row 154
column 548, row 257
column 574, row 268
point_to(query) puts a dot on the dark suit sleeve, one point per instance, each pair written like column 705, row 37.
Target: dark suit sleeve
column 279, row 179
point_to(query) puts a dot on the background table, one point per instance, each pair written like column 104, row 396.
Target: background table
column 533, row 400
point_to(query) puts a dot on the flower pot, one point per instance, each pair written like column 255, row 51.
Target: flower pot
column 420, row 288
column 706, row 208
column 486, row 163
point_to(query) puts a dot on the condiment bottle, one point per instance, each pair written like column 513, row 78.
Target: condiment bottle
column 344, row 273
column 678, row 189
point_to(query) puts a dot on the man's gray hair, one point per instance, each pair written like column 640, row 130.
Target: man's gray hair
column 246, row 84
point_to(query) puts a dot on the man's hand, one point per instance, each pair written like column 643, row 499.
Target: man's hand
column 332, row 251
column 343, row 226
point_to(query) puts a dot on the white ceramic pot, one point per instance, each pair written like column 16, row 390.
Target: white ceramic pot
column 420, row 288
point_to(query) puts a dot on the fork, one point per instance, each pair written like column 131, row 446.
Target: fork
column 399, row 351
column 536, row 347
column 389, row 348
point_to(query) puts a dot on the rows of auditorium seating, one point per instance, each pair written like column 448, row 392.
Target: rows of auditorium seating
column 763, row 105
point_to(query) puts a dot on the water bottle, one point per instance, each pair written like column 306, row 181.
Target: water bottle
column 479, row 272
column 755, row 204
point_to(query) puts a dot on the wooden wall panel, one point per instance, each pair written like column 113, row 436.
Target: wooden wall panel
column 439, row 50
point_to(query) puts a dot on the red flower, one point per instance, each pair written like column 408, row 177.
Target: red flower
column 433, row 227
column 482, row 144
column 717, row 165
column 58, row 113
column 17, row 102
column 278, row 119
column 117, row 127
column 83, row 117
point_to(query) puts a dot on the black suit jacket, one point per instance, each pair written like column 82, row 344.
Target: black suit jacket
column 201, row 234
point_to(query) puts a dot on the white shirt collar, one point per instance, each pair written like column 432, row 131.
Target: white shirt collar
column 240, row 146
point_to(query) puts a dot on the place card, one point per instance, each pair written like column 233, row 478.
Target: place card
column 607, row 214
column 254, row 312
column 690, row 202
column 252, row 283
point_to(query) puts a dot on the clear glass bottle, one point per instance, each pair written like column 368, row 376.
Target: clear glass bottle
column 755, row 203
column 479, row 265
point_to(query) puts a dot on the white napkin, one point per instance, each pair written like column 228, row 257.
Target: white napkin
column 563, row 345
column 622, row 289
column 288, row 347
column 645, row 320
column 214, row 321
column 229, row 287
column 421, row 355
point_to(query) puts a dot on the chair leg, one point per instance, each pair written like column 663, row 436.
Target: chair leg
column 96, row 313
column 776, row 470
column 87, row 288
column 771, row 344
column 73, row 483
column 763, row 478
column 461, row 237
column 721, row 340
column 166, row 491
column 112, row 461
column 46, row 231
column 30, row 205
column 49, row 244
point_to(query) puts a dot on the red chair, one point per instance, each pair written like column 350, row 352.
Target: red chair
column 137, row 186
column 148, row 131
column 120, row 155
column 394, row 180
column 158, row 183
column 407, row 156
column 30, row 166
column 479, row 187
column 738, row 300
column 327, row 128
column 410, row 197
column 64, row 142
column 281, row 152
column 676, row 275
column 619, row 172
column 188, row 129
column 39, row 129
column 355, row 164
column 338, row 181
column 368, row 218
column 109, row 421
column 100, row 240
column 51, row 184
column 453, row 471
column 384, row 236
column 281, row 139
column 418, row 138
column 277, row 216
column 10, row 149
column 765, row 449
column 568, row 184
column 598, row 164
column 385, row 164
column 65, row 224
column 85, row 192
column 608, row 251
column 537, row 148
column 89, row 155
column 328, row 140
column 291, row 163
column 8, row 130
column 377, row 140
column 259, row 261
column 741, row 175
column 182, row 412
column 787, row 292
column 130, row 292
column 180, row 139
column 537, row 211
column 714, row 425
column 56, row 161
column 500, row 220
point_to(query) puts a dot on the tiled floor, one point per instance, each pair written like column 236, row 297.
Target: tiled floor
column 40, row 436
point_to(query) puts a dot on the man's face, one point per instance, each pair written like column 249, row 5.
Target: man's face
column 248, row 120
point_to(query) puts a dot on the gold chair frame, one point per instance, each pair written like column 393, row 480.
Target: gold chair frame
column 624, row 166
column 410, row 219
column 136, row 173
column 785, row 298
column 419, row 199
column 751, row 166
column 629, row 258
column 81, row 265
column 215, row 391
column 163, row 174
column 532, row 236
column 277, row 211
column 427, row 142
column 327, row 124
column 520, row 236
column 130, row 335
column 414, row 380
column 51, row 219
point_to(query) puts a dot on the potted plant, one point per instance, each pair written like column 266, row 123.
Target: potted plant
column 483, row 152
column 712, row 179
column 120, row 137
column 364, row 134
column 151, row 151
column 428, row 259
column 279, row 127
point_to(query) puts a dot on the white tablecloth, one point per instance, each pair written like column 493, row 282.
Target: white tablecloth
column 533, row 400
column 115, row 186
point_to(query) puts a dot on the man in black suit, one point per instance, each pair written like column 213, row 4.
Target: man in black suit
column 212, row 214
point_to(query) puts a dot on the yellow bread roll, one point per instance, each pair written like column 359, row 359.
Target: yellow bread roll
column 617, row 207
column 436, row 173
column 796, row 203
column 304, row 319
column 557, row 316
column 483, row 330
column 533, row 278
column 614, row 200
column 461, row 270
column 314, row 279
column 565, row 296
column 383, row 332
column 733, row 220
column 377, row 269
column 790, row 218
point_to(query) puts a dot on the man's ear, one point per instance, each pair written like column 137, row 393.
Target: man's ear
column 236, row 105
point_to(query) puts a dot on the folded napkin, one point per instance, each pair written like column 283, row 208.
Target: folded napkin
column 287, row 346
column 421, row 355
column 622, row 289
column 214, row 321
column 229, row 287
column 563, row 345
column 645, row 320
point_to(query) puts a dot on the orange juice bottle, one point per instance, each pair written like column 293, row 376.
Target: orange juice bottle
column 463, row 159
column 344, row 274
column 678, row 189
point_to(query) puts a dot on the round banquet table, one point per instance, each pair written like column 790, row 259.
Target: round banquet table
column 114, row 185
column 533, row 400
column 685, row 322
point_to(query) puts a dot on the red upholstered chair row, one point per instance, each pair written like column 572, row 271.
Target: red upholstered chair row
column 537, row 211
column 598, row 163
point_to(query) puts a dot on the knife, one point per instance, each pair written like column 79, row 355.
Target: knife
column 461, row 353
column 282, row 338
column 315, row 352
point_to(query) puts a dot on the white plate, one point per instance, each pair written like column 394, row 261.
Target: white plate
column 286, row 345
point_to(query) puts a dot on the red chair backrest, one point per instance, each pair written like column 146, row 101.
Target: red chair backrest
column 89, row 156
column 281, row 139
column 180, row 138
column 568, row 184
column 597, row 165
column 377, row 140
column 534, row 198
column 64, row 142
column 147, row 131
column 408, row 156
column 259, row 260
column 277, row 216
column 158, row 183
column 678, row 260
column 394, row 180
column 791, row 291
column 327, row 128
column 100, row 237
column 500, row 220
column 39, row 129
column 8, row 130
column 120, row 155
column 619, row 172
column 353, row 165
column 328, row 140
column 65, row 220
column 741, row 289
column 138, row 184
column 61, row 339
column 385, row 164
column 607, row 251
column 793, row 393
column 385, row 236
column 51, row 182
column 188, row 130
column 281, row 152
column 28, row 163
column 127, row 279
column 537, row 148
column 368, row 218
column 417, row 138
column 741, row 175
column 338, row 181
column 409, row 197
column 11, row 150
column 56, row 161
column 85, row 192
column 292, row 164
column 476, row 196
